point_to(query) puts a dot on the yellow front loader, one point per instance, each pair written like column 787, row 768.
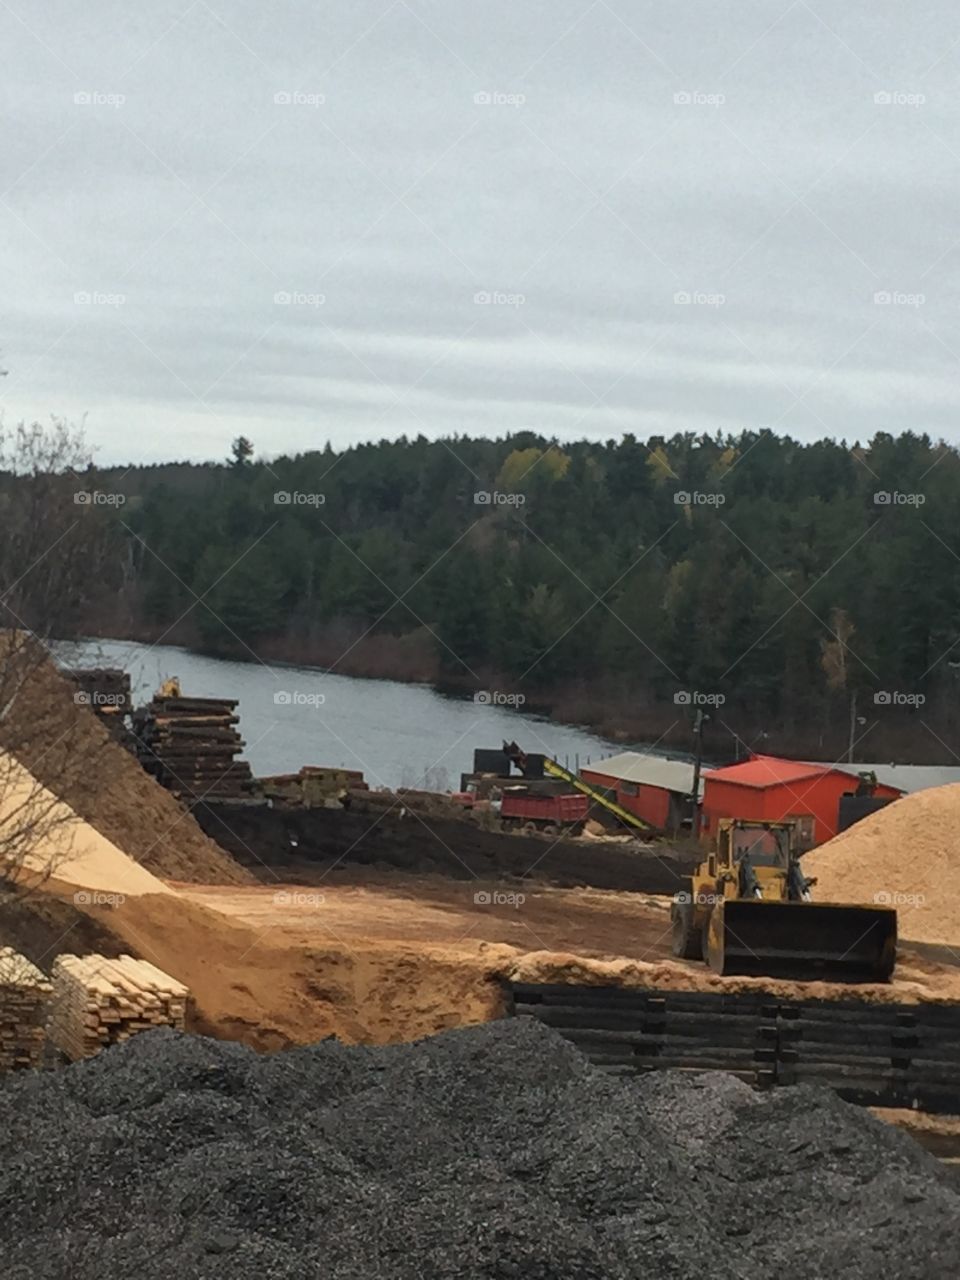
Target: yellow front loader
column 748, row 911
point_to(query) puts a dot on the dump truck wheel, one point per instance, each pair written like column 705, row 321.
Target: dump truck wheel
column 686, row 940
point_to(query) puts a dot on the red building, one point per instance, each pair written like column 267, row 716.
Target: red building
column 654, row 788
column 770, row 789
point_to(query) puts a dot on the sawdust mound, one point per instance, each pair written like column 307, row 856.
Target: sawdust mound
column 258, row 987
column 916, row 981
column 907, row 856
column 67, row 749
column 492, row 1153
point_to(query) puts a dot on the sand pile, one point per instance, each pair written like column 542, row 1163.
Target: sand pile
column 907, row 856
column 63, row 849
column 66, row 747
column 488, row 1154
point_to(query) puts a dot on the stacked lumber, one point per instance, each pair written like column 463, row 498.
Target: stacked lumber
column 24, row 996
column 98, row 1002
column 190, row 745
column 314, row 787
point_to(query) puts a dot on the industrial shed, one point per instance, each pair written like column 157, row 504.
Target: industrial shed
column 771, row 789
column 656, row 789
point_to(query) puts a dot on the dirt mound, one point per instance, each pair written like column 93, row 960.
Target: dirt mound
column 493, row 1152
column 65, row 747
column 907, row 856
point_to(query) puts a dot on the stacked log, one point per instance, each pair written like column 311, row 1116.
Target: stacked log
column 24, row 998
column 190, row 745
column 98, row 1002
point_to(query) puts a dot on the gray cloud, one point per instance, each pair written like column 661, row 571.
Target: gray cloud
column 787, row 167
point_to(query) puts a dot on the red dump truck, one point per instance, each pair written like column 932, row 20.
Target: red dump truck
column 543, row 813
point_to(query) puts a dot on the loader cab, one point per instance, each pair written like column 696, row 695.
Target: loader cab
column 768, row 844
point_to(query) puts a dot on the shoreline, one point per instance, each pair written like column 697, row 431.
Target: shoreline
column 594, row 706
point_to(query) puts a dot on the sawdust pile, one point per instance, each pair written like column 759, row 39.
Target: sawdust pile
column 257, row 987
column 916, row 980
column 907, row 856
column 68, row 750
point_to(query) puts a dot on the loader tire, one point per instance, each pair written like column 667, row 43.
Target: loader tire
column 686, row 940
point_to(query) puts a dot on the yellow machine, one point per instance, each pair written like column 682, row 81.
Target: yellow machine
column 748, row 911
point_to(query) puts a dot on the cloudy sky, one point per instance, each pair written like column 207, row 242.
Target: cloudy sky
column 307, row 221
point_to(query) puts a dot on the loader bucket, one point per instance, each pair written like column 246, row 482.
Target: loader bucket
column 802, row 940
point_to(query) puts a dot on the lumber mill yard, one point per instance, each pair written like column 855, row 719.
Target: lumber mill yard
column 539, row 1026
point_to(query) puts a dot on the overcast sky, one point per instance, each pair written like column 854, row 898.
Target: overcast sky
column 172, row 172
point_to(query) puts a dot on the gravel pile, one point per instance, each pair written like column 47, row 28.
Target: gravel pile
column 491, row 1152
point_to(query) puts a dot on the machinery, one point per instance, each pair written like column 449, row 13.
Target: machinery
column 748, row 911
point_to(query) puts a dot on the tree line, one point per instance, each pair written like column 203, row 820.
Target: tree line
column 792, row 589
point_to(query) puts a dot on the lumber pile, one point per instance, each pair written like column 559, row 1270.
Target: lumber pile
column 314, row 787
column 24, row 996
column 190, row 745
column 98, row 1002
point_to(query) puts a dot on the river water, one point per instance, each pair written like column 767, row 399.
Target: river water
column 397, row 734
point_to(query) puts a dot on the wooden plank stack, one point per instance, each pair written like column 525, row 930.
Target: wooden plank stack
column 24, row 999
column 98, row 1002
column 190, row 745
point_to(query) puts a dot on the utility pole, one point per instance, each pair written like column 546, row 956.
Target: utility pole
column 699, row 718
column 853, row 725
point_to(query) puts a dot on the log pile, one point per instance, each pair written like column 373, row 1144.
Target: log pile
column 24, row 997
column 98, row 1002
column 190, row 745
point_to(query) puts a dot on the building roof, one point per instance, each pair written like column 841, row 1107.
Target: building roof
column 909, row 777
column 650, row 770
column 774, row 771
